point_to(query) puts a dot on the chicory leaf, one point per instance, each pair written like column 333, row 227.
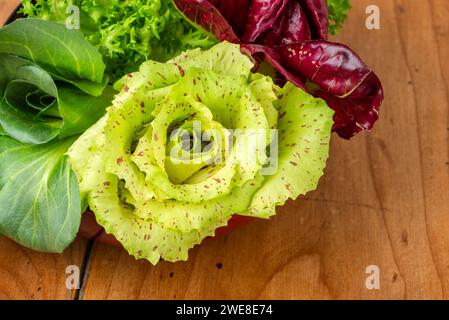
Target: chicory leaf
column 343, row 80
column 262, row 15
column 126, row 33
column 261, row 52
column 283, row 39
column 235, row 12
column 209, row 18
column 159, row 208
column 39, row 198
column 292, row 26
column 317, row 11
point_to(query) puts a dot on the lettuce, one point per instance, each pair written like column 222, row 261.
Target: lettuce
column 158, row 204
column 127, row 33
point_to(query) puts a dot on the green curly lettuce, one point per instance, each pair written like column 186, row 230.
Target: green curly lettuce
column 159, row 204
column 338, row 10
column 126, row 33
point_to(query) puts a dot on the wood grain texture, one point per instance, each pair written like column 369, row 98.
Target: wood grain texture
column 384, row 199
column 6, row 7
column 27, row 274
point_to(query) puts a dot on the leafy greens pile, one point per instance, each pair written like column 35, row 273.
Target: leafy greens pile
column 292, row 36
column 126, row 32
column 159, row 208
column 129, row 32
column 190, row 83
column 52, row 88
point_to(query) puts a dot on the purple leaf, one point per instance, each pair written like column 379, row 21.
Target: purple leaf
column 280, row 31
column 204, row 14
column 292, row 26
column 262, row 16
column 318, row 13
column 350, row 88
column 235, row 12
column 260, row 52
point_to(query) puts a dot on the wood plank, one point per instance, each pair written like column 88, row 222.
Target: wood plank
column 6, row 7
column 433, row 116
column 27, row 274
column 383, row 200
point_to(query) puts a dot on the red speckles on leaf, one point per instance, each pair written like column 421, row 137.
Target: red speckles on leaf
column 181, row 70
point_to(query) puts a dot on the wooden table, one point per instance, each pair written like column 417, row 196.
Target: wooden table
column 384, row 200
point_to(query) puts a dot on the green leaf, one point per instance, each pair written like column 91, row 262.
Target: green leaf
column 37, row 59
column 91, row 88
column 35, row 108
column 338, row 10
column 27, row 127
column 21, row 108
column 52, row 44
column 303, row 147
column 7, row 143
column 127, row 33
column 8, row 66
column 39, row 198
column 80, row 110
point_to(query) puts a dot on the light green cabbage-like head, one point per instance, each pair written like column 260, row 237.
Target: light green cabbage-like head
column 188, row 143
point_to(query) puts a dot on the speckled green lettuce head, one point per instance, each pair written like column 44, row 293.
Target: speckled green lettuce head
column 188, row 143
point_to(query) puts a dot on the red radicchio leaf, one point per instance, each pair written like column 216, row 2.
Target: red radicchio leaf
column 318, row 14
column 235, row 12
column 204, row 14
column 260, row 52
column 280, row 32
column 262, row 16
column 291, row 27
column 345, row 82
